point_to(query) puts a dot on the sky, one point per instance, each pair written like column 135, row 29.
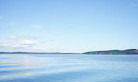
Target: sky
column 68, row 25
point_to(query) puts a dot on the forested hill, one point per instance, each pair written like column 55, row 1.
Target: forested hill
column 128, row 51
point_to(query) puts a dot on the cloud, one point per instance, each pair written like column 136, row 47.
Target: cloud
column 36, row 26
column 23, row 36
column 46, row 41
column 1, row 17
column 22, row 44
column 4, row 44
column 27, row 42
column 17, row 36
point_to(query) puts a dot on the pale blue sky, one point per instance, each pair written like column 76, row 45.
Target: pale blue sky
column 68, row 25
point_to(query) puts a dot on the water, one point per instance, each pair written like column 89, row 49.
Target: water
column 68, row 68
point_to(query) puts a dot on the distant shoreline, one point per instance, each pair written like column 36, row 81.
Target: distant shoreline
column 107, row 52
column 35, row 53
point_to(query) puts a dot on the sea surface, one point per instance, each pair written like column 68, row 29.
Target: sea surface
column 68, row 68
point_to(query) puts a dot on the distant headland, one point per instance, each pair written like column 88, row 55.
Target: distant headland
column 106, row 52
column 118, row 52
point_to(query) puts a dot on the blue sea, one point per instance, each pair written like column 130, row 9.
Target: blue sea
column 68, row 68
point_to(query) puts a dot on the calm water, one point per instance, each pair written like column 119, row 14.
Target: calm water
column 68, row 68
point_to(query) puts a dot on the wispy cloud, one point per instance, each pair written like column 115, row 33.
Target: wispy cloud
column 46, row 41
column 27, row 42
column 22, row 44
column 36, row 26
column 17, row 36
column 22, row 36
